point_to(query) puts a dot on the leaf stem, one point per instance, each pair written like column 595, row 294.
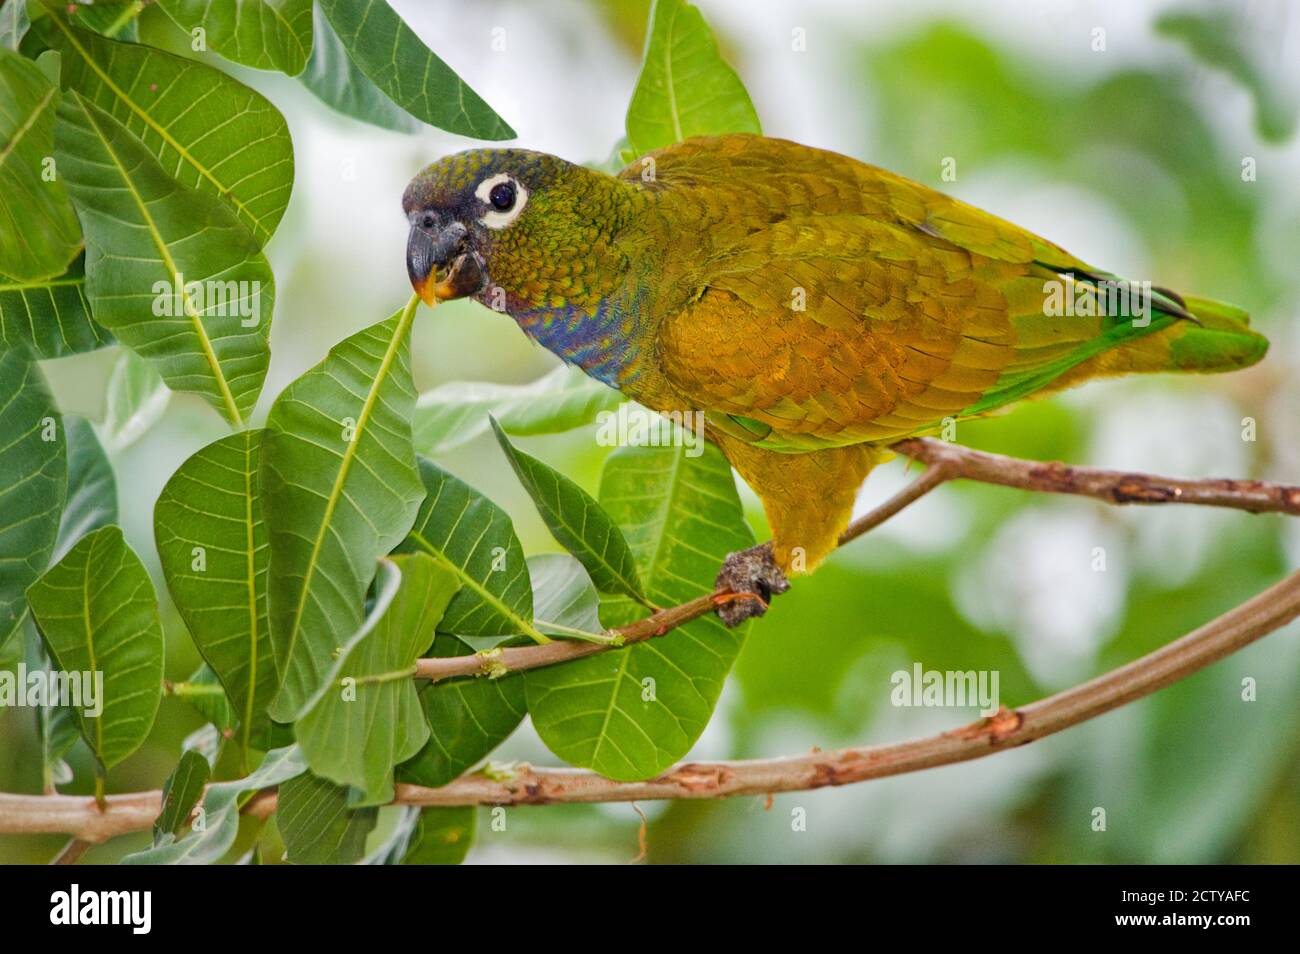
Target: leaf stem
column 126, row 16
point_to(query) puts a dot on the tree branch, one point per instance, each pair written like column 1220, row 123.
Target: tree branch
column 1268, row 611
column 944, row 462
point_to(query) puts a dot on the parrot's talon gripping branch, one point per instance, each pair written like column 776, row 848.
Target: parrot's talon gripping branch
column 746, row 584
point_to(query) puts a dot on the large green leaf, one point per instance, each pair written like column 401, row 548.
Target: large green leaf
column 263, row 34
column 685, row 88
column 215, row 834
column 317, row 824
column 98, row 614
column 366, row 717
column 341, row 490
column 39, row 236
column 91, row 503
column 474, row 537
column 212, row 542
column 33, row 458
column 206, row 129
column 334, row 79
column 169, row 269
column 577, row 521
column 91, row 500
column 50, row 316
column 428, row 836
column 408, row 72
column 455, row 413
column 630, row 713
column 468, row 718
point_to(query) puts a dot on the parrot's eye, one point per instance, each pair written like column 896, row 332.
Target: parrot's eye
column 502, row 196
column 428, row 220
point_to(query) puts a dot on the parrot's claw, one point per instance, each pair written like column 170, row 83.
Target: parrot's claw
column 746, row 584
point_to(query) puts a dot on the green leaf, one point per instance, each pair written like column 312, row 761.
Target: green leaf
column 468, row 718
column 471, row 535
column 33, row 456
column 334, row 79
column 56, row 726
column 181, row 792
column 455, row 413
column 577, row 521
column 137, row 399
column 263, row 34
column 13, row 23
column 212, row 543
column 39, row 236
column 366, row 717
column 97, row 611
column 630, row 713
column 341, row 490
column 565, row 603
column 428, row 836
column 111, row 18
column 443, row 836
column 215, row 833
column 203, row 691
column 245, row 159
column 169, row 269
column 408, row 72
column 50, row 316
column 91, row 499
column 685, row 88
column 318, row 826
column 11, row 654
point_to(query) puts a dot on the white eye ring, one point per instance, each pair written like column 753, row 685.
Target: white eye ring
column 494, row 218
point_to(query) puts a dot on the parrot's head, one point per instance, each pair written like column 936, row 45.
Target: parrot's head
column 500, row 218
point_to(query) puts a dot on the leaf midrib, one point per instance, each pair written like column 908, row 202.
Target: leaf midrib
column 26, row 127
column 668, row 74
column 525, row 627
column 90, row 644
column 252, row 593
column 336, row 491
column 170, row 264
column 156, row 126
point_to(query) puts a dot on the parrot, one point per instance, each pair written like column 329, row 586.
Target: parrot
column 814, row 308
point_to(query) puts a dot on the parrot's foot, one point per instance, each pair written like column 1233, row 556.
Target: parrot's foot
column 746, row 584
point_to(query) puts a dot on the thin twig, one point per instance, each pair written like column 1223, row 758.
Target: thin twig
column 1268, row 611
column 1112, row 486
column 71, row 853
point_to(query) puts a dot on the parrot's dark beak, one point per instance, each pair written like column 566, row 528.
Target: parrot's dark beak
column 440, row 263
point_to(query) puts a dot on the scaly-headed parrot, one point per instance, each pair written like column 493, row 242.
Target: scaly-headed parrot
column 815, row 308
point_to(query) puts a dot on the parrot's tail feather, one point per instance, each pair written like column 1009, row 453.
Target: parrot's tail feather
column 1221, row 341
column 1215, row 337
